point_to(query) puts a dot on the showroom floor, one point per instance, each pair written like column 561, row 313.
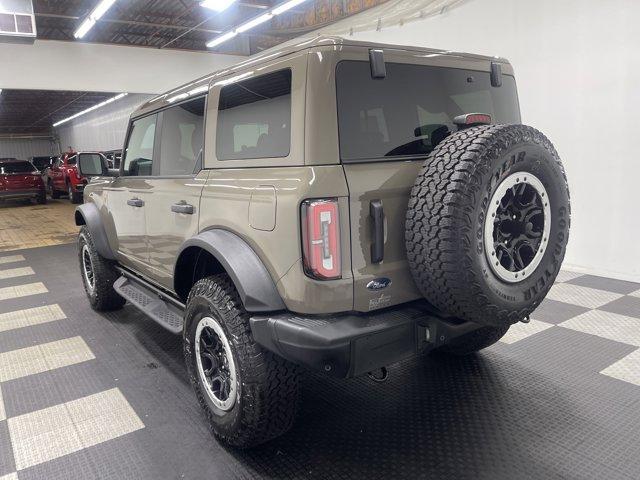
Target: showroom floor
column 85, row 396
column 26, row 225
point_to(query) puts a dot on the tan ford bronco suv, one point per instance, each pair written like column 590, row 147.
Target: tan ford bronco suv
column 333, row 205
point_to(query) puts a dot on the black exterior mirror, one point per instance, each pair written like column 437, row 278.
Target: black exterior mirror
column 92, row 165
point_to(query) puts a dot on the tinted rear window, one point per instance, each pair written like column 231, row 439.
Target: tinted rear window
column 16, row 167
column 411, row 110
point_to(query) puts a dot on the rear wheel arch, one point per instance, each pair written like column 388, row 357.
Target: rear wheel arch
column 220, row 251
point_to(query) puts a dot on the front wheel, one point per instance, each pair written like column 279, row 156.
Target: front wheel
column 98, row 275
column 74, row 197
column 248, row 394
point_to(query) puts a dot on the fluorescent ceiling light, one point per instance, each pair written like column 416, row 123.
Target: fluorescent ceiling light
column 84, row 28
column 222, row 38
column 217, row 5
column 93, row 17
column 254, row 22
column 287, row 6
column 90, row 109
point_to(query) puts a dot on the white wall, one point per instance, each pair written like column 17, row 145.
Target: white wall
column 102, row 129
column 52, row 65
column 25, row 148
column 577, row 65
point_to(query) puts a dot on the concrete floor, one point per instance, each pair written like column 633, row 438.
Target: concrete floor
column 95, row 396
column 23, row 224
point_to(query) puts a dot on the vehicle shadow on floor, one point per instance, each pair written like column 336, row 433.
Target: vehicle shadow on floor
column 483, row 416
column 435, row 417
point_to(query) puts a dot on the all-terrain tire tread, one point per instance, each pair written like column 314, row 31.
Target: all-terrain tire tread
column 104, row 298
column 270, row 384
column 439, row 230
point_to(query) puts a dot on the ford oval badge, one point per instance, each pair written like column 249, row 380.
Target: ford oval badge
column 378, row 283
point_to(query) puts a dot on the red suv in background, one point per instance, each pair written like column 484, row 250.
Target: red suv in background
column 63, row 178
column 20, row 179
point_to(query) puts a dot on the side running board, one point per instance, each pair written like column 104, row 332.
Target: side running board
column 149, row 301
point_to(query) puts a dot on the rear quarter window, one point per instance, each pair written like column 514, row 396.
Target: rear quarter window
column 254, row 118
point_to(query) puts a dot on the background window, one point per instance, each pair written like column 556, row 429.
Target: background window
column 139, row 152
column 254, row 118
column 182, row 137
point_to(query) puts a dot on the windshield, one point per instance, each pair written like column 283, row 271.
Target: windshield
column 41, row 161
column 411, row 110
column 16, row 167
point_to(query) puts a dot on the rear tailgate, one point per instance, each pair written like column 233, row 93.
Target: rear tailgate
column 390, row 183
column 19, row 181
column 387, row 127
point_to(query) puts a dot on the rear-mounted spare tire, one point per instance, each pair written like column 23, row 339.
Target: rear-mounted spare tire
column 488, row 223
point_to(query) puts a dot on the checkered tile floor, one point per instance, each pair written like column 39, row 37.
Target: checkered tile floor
column 598, row 306
column 86, row 396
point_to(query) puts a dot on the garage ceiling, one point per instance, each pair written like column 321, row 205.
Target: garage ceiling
column 184, row 24
column 34, row 111
column 174, row 24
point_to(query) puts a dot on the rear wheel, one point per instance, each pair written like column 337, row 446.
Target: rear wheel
column 98, row 275
column 488, row 223
column 55, row 194
column 249, row 395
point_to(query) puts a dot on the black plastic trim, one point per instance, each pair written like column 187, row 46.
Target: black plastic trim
column 377, row 225
column 148, row 300
column 249, row 275
column 376, row 60
column 351, row 345
column 496, row 74
column 89, row 212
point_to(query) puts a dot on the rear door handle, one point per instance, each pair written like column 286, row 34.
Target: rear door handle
column 182, row 207
column 135, row 202
column 377, row 231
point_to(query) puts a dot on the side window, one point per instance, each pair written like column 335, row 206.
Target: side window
column 254, row 118
column 138, row 156
column 72, row 160
column 181, row 138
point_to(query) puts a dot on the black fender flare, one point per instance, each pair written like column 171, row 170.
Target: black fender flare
column 88, row 214
column 251, row 278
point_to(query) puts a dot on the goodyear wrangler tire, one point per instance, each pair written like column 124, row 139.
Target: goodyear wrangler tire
column 488, row 223
column 248, row 394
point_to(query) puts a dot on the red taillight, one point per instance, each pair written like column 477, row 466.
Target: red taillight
column 321, row 239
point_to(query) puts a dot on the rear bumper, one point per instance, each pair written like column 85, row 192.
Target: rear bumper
column 351, row 345
column 11, row 194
